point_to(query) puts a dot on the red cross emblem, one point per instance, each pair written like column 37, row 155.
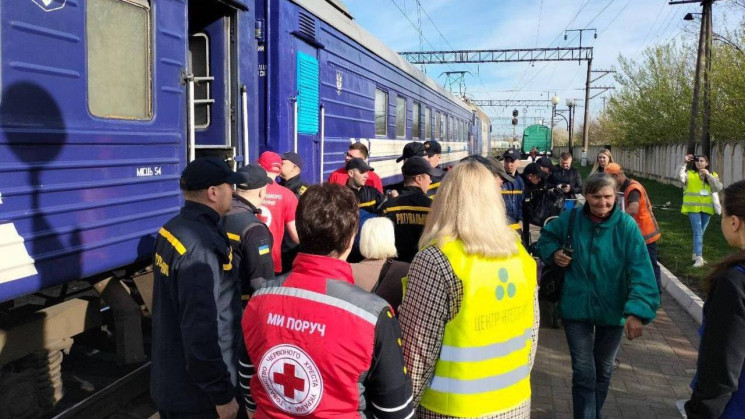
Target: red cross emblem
column 289, row 382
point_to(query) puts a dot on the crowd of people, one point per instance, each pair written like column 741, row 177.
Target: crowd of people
column 275, row 298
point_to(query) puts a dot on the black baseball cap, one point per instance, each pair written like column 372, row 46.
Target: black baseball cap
column 412, row 149
column 545, row 162
column 358, row 164
column 512, row 154
column 205, row 172
column 418, row 166
column 294, row 158
column 254, row 177
column 432, row 147
column 494, row 165
column 534, row 169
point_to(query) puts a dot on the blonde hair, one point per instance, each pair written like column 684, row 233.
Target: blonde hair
column 469, row 207
column 377, row 239
column 602, row 151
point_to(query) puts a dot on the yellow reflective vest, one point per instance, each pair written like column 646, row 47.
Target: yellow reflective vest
column 697, row 195
column 484, row 363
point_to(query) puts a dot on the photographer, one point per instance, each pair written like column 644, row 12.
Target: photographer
column 700, row 186
column 566, row 178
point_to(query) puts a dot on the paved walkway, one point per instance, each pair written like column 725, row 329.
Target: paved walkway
column 655, row 370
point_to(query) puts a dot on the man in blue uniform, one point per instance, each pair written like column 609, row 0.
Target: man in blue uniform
column 409, row 209
column 433, row 155
column 412, row 149
column 512, row 192
column 292, row 167
column 195, row 303
column 368, row 198
column 250, row 238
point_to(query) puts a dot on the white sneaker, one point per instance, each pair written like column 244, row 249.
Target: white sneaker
column 699, row 263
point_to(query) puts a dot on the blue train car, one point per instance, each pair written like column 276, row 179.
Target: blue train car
column 94, row 125
column 327, row 83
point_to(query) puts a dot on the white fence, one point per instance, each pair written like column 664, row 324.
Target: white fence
column 662, row 162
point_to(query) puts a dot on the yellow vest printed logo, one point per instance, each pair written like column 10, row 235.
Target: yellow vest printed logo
column 484, row 363
column 291, row 379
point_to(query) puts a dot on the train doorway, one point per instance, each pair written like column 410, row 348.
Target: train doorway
column 212, row 81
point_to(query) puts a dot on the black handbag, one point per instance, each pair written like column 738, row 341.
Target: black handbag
column 552, row 276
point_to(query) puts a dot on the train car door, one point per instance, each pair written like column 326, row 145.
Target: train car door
column 214, row 90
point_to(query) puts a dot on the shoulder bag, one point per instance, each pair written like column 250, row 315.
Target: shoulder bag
column 552, row 276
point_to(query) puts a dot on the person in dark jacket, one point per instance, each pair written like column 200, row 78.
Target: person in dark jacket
column 195, row 301
column 368, row 198
column 512, row 192
column 412, row 149
column 719, row 384
column 250, row 239
column 292, row 166
column 609, row 290
column 546, row 165
column 409, row 210
column 433, row 155
column 566, row 178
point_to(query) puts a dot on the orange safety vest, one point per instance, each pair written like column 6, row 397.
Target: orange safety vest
column 644, row 218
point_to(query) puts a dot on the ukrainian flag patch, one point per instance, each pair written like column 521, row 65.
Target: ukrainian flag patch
column 263, row 250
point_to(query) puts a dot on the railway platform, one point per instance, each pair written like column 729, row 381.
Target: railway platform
column 654, row 371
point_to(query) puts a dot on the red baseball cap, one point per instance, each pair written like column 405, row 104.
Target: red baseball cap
column 270, row 161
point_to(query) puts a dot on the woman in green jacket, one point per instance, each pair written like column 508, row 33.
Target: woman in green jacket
column 609, row 288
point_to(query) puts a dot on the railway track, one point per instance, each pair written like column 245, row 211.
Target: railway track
column 127, row 397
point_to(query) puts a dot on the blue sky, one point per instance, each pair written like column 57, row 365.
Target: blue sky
column 624, row 27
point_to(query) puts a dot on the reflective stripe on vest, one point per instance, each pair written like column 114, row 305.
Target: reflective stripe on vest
column 644, row 217
column 318, row 298
column 693, row 199
column 484, row 363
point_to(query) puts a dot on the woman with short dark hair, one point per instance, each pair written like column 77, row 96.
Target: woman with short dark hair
column 608, row 289
column 314, row 331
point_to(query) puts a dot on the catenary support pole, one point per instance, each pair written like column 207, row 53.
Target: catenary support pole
column 586, row 127
column 691, row 146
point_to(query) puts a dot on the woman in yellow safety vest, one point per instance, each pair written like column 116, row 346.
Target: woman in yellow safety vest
column 700, row 185
column 469, row 316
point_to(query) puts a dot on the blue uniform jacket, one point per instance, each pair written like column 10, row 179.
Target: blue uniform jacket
column 512, row 192
column 196, row 309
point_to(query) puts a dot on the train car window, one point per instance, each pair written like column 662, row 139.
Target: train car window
column 461, row 130
column 451, row 131
column 416, row 119
column 427, row 122
column 438, row 125
column 400, row 116
column 119, row 70
column 381, row 112
column 443, row 127
column 199, row 63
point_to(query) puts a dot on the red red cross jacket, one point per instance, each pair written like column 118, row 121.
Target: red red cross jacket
column 321, row 346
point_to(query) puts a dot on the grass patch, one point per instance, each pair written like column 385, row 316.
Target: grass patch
column 676, row 244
